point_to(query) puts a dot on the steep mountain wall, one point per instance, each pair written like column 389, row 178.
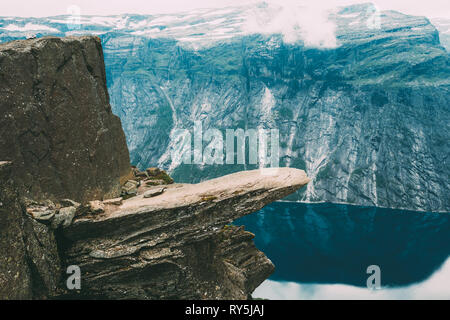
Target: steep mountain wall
column 367, row 119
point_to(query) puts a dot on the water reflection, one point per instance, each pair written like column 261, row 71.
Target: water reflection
column 322, row 251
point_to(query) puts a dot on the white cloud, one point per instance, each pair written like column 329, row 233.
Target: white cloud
column 30, row 27
column 295, row 20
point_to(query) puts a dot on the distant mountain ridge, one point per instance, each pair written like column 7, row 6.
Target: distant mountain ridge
column 443, row 26
column 362, row 107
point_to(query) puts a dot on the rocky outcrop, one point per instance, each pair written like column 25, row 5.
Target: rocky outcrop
column 29, row 260
column 60, row 204
column 178, row 245
column 149, row 177
column 61, row 141
column 56, row 125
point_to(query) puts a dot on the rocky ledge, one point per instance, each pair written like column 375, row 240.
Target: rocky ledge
column 178, row 244
column 68, row 196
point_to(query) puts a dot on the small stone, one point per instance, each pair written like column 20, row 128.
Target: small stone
column 133, row 182
column 156, row 182
column 140, row 174
column 42, row 214
column 48, row 203
column 154, row 192
column 42, row 211
column 97, row 206
column 114, row 202
column 152, row 172
column 64, row 217
column 130, row 188
column 158, row 174
column 69, row 203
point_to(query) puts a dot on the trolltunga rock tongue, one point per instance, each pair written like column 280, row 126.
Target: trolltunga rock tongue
column 56, row 123
column 62, row 143
column 177, row 245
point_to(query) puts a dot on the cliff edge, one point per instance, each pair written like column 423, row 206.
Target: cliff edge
column 56, row 123
column 178, row 244
column 69, row 197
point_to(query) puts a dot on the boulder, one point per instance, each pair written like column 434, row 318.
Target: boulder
column 158, row 174
column 130, row 189
column 96, row 207
column 154, row 192
column 57, row 125
column 156, row 182
column 42, row 213
column 64, row 217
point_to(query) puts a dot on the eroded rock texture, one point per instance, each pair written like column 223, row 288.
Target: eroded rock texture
column 178, row 245
column 29, row 261
column 56, row 123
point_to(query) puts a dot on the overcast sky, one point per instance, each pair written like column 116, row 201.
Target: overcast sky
column 42, row 8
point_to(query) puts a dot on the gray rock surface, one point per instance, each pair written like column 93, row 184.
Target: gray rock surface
column 154, row 192
column 179, row 245
column 129, row 189
column 114, row 202
column 64, row 217
column 29, row 261
column 57, row 125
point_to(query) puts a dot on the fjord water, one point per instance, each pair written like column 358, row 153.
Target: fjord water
column 322, row 251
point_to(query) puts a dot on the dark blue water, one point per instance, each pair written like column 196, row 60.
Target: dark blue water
column 322, row 251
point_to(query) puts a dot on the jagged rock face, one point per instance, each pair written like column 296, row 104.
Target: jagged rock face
column 57, row 125
column 29, row 261
column 360, row 118
column 176, row 245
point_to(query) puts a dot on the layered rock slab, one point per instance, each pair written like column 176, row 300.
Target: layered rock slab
column 56, row 122
column 178, row 245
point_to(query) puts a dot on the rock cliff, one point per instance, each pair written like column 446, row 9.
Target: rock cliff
column 56, row 124
column 178, row 244
column 29, row 260
column 67, row 158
